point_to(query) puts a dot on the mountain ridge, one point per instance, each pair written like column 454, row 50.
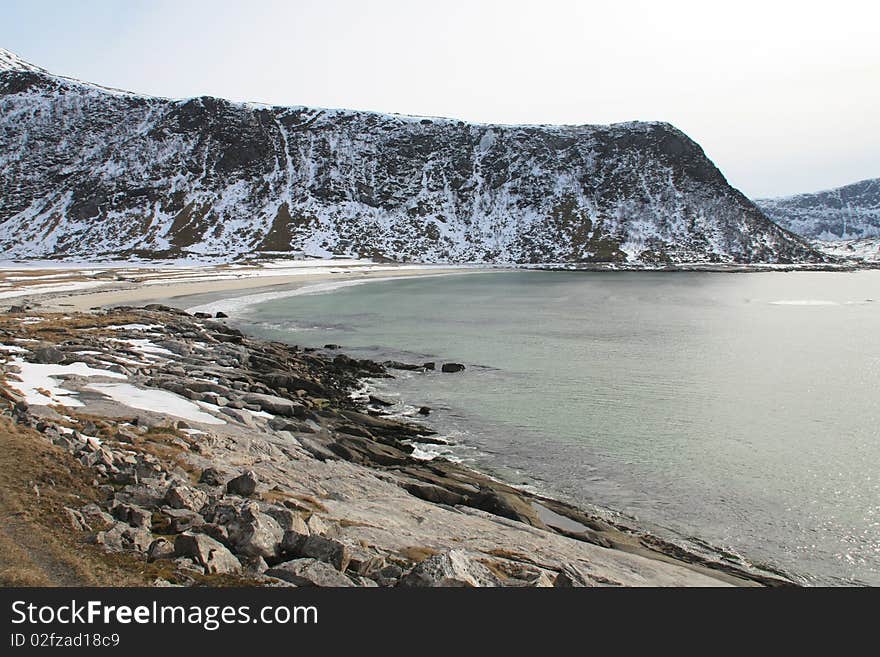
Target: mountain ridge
column 89, row 170
column 840, row 213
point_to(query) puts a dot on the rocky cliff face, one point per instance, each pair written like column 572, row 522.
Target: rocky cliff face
column 86, row 171
column 850, row 212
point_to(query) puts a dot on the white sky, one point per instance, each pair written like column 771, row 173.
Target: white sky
column 783, row 96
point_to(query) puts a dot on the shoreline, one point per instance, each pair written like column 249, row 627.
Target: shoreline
column 78, row 287
column 416, row 512
column 446, row 484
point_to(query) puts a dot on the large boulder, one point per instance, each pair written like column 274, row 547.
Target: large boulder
column 256, row 535
column 309, row 572
column 134, row 515
column 274, row 405
column 244, row 484
column 186, row 497
column 455, row 568
column 122, row 536
column 327, row 550
column 210, row 554
column 288, row 520
column 180, row 520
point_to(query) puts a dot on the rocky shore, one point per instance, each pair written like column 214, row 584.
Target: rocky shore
column 220, row 456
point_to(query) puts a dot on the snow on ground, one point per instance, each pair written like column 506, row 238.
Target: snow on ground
column 157, row 401
column 143, row 346
column 133, row 327
column 46, row 289
column 37, row 376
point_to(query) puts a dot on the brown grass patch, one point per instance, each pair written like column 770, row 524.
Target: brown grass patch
column 418, row 553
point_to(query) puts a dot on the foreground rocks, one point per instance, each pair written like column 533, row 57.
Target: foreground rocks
column 293, row 483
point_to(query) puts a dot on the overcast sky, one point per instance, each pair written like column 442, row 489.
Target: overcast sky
column 783, row 96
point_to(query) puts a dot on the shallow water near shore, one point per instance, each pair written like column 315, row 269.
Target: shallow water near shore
column 736, row 409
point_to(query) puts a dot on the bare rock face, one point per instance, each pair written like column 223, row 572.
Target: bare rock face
column 140, row 175
column 210, row 554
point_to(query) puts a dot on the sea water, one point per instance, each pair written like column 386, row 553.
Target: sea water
column 736, row 410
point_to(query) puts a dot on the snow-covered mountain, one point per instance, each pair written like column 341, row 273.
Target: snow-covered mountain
column 87, row 171
column 849, row 212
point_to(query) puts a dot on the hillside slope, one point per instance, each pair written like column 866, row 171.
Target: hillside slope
column 90, row 171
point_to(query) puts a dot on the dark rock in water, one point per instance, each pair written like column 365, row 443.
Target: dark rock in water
column 244, row 484
column 397, row 365
column 378, row 401
column 431, row 365
column 452, row 367
column 202, row 315
column 331, row 346
column 166, row 309
column 220, row 315
column 424, row 410
column 309, row 572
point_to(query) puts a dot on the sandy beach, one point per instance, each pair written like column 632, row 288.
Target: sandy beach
column 61, row 287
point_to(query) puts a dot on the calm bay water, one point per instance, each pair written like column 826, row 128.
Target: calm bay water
column 738, row 409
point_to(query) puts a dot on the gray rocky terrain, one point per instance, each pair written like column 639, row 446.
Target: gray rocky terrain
column 284, row 478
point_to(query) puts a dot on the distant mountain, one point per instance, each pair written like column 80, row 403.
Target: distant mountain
column 866, row 249
column 91, row 171
column 849, row 212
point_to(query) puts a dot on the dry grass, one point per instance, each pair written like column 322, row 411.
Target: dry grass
column 38, row 546
column 417, row 553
